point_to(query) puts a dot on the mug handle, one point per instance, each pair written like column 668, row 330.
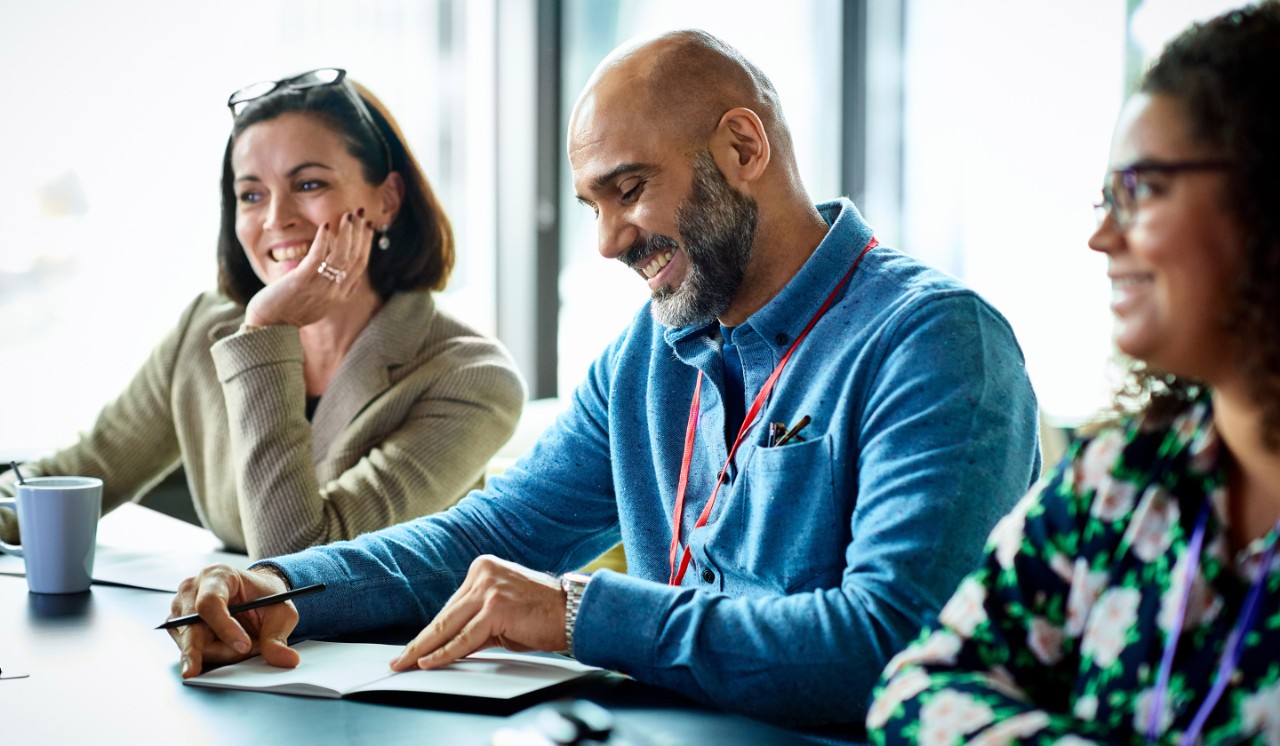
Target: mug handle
column 14, row 549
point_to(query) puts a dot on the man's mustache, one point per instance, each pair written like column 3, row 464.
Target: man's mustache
column 639, row 253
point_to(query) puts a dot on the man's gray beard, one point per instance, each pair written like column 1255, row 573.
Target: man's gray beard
column 717, row 225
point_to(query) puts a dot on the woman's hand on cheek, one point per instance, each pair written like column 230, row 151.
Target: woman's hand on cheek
column 332, row 270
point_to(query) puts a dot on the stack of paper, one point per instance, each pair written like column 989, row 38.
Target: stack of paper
column 143, row 548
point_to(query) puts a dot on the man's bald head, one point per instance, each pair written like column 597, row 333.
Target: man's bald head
column 683, row 82
column 679, row 147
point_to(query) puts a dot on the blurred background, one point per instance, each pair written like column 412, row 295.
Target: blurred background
column 972, row 134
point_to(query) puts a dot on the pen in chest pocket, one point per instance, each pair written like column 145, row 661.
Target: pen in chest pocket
column 794, row 432
column 776, row 431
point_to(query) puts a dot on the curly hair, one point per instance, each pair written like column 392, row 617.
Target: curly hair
column 422, row 249
column 1224, row 75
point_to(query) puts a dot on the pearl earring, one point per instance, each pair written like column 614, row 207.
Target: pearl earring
column 384, row 241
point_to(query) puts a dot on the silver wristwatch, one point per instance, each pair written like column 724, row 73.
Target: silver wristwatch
column 574, row 585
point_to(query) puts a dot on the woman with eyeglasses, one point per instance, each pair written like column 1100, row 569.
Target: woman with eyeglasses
column 1134, row 595
column 320, row 393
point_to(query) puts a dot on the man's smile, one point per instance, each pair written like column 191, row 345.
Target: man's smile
column 656, row 263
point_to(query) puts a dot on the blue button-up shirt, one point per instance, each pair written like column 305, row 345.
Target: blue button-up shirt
column 821, row 558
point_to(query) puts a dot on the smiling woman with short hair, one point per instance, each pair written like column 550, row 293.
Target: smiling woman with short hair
column 320, row 394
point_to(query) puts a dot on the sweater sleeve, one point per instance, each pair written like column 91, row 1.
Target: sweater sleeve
column 432, row 445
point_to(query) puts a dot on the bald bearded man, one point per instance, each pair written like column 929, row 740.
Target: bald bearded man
column 802, row 439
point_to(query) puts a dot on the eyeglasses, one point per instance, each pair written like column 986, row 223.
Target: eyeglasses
column 318, row 78
column 1126, row 186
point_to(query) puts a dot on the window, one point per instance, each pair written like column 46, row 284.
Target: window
column 1009, row 113
column 799, row 49
column 112, row 148
column 112, row 144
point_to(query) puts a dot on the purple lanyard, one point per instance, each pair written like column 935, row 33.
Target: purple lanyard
column 1231, row 652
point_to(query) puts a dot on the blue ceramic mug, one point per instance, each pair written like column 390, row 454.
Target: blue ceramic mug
column 58, row 520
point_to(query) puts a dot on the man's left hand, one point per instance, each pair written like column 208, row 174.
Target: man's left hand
column 500, row 604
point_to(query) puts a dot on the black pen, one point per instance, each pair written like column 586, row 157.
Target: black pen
column 776, row 430
column 793, row 432
column 182, row 621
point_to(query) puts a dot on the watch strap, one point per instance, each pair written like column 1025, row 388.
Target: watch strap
column 574, row 585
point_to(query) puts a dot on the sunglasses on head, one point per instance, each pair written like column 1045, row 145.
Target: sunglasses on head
column 319, row 78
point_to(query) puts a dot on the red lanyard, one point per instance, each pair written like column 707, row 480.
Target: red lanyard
column 691, row 431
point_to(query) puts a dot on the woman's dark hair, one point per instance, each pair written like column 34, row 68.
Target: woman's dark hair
column 422, row 251
column 1224, row 75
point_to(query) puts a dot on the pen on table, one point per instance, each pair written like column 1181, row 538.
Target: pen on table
column 182, row 621
column 793, row 431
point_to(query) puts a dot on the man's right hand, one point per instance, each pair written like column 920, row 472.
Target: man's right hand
column 222, row 638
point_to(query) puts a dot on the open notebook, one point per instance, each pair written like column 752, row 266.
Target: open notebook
column 340, row 669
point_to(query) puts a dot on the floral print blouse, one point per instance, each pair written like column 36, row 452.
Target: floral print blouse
column 1057, row 638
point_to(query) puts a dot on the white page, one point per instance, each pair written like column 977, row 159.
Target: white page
column 135, row 526
column 496, row 675
column 143, row 548
column 10, row 565
column 327, row 669
column 330, row 668
column 157, row 571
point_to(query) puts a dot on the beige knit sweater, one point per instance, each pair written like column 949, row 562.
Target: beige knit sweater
column 405, row 428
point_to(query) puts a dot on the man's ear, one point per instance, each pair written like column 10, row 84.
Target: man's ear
column 740, row 147
column 391, row 193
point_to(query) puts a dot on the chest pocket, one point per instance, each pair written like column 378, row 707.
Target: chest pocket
column 787, row 538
